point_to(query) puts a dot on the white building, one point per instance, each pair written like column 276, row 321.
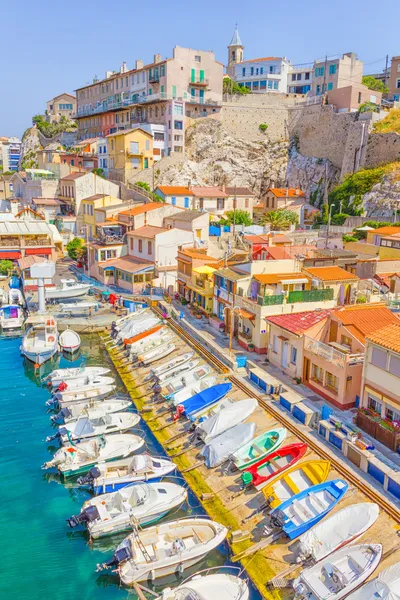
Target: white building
column 10, row 152
column 160, row 139
column 300, row 79
column 102, row 153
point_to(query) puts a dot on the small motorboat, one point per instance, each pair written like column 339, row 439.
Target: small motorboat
column 83, row 382
column 84, row 428
column 225, row 418
column 140, row 504
column 136, row 327
column 59, row 375
column 261, row 472
column 165, row 549
column 202, row 400
column 93, row 410
column 185, row 380
column 172, row 366
column 106, row 478
column 11, row 317
column 40, row 342
column 384, row 587
column 157, row 353
column 72, row 307
column 72, row 459
column 296, row 479
column 211, row 411
column 301, row 512
column 84, row 394
column 259, row 448
column 152, row 341
column 166, row 377
column 206, row 585
column 338, row 575
column 221, row 448
column 15, row 296
column 69, row 288
column 340, row 529
column 69, row 341
column 193, row 388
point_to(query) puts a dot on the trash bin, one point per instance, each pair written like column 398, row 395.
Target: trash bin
column 241, row 361
column 131, row 307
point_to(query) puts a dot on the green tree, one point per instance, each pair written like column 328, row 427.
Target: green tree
column 143, row 185
column 231, row 87
column 339, row 218
column 5, row 267
column 240, row 217
column 374, row 84
column 280, row 219
column 76, row 248
column 99, row 172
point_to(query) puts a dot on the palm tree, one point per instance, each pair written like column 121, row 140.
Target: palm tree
column 280, row 219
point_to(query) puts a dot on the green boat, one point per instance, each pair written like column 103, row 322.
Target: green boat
column 261, row 446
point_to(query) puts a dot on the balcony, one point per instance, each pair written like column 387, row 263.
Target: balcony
column 310, row 296
column 332, row 355
column 111, row 238
column 155, row 78
column 246, row 336
column 383, row 430
column 199, row 82
column 223, row 294
column 139, row 153
column 270, row 300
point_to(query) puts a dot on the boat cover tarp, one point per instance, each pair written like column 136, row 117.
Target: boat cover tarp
column 140, row 462
column 221, row 447
column 206, row 398
column 226, row 418
column 384, row 587
column 83, row 427
column 332, row 533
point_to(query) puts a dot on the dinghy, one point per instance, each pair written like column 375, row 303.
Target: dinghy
column 209, row 587
column 202, row 399
column 193, row 388
column 140, row 504
column 156, row 354
column 259, row 448
column 171, row 365
column 84, row 394
column 340, row 529
column 165, row 549
column 84, row 427
column 83, row 382
column 384, row 587
column 230, row 416
column 220, row 448
column 72, row 459
column 305, row 509
column 338, row 575
column 166, row 377
column 59, row 375
column 69, row 341
column 273, row 464
column 93, row 410
column 185, row 380
column 142, row 467
column 296, row 479
column 40, row 343
column 11, row 317
column 69, row 288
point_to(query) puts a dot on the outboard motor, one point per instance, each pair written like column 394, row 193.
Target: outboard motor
column 90, row 477
column 64, row 413
column 60, row 432
column 157, row 388
column 155, row 383
column 54, row 400
column 278, row 518
column 88, row 515
column 121, row 555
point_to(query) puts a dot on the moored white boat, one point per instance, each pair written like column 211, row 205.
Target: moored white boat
column 69, row 341
column 40, row 342
column 72, row 459
column 209, row 585
column 69, row 288
column 135, row 327
column 166, row 549
column 156, row 353
column 338, row 575
column 220, row 448
column 169, row 366
column 92, row 410
column 11, row 317
column 166, row 377
column 83, row 394
column 152, row 341
column 84, row 428
column 384, row 587
column 59, row 375
column 15, row 296
column 140, row 504
column 193, row 388
column 184, row 380
column 84, row 382
column 225, row 419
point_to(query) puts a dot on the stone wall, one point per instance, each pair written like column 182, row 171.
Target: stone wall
column 382, row 148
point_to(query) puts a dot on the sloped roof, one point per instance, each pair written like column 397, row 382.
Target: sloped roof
column 331, row 274
column 274, row 278
column 388, row 337
column 387, row 230
column 175, row 190
column 187, row 215
column 208, row 192
column 231, row 274
column 363, row 320
column 239, row 191
column 298, row 323
column 287, row 192
column 73, row 176
column 236, row 41
column 139, row 210
column 148, row 231
column 128, row 264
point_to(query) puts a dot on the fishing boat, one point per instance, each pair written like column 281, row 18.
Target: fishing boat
column 157, row 353
column 165, row 549
column 11, row 317
column 259, row 448
column 69, row 288
column 202, row 399
column 111, row 477
column 93, row 410
column 80, row 383
column 384, row 587
column 338, row 575
column 261, row 472
column 194, row 388
column 185, row 380
column 172, row 366
column 40, row 342
column 295, row 480
column 208, row 586
column 72, row 459
column 84, row 428
column 228, row 416
column 59, row 375
column 220, row 448
column 340, row 529
column 140, row 504
column 84, row 394
column 301, row 512
column 69, row 341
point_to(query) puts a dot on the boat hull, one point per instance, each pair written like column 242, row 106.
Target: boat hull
column 56, row 294
column 40, row 358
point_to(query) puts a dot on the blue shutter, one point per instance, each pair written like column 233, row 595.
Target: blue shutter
column 173, row 200
column 186, row 202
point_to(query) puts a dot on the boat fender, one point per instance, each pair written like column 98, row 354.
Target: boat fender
column 51, row 339
column 63, row 386
column 180, row 409
column 152, row 575
column 71, row 450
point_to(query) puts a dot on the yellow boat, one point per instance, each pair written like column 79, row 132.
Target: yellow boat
column 298, row 478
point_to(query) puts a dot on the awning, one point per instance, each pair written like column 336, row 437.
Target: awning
column 246, row 314
column 283, row 338
column 204, row 270
column 12, row 255
column 31, row 251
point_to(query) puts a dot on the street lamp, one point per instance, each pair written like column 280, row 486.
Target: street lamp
column 232, row 324
column 85, row 229
column 329, row 224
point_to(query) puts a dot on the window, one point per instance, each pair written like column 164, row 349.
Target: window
column 135, row 163
column 220, row 204
column 261, row 70
column 197, row 58
column 298, row 76
column 255, row 85
column 332, row 69
column 332, row 381
column 126, row 81
column 330, row 86
column 317, row 374
column 140, row 245
column 318, row 90
column 251, row 70
column 276, row 85
column 391, row 414
column 173, row 200
column 65, row 107
column 178, row 124
column 359, row 97
column 186, row 202
column 149, row 248
column 257, row 70
column 307, row 75
column 143, row 76
column 174, row 91
column 374, row 403
column 243, row 71
column 270, row 85
column 275, row 343
column 158, row 136
column 112, row 144
column 293, row 355
column 134, row 147
column 345, row 341
column 319, row 71
column 178, row 109
column 378, row 358
column 394, row 365
column 147, row 144
column 246, row 203
column 162, row 72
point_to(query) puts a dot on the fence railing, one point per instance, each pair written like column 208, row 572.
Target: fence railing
column 310, row 296
column 270, row 300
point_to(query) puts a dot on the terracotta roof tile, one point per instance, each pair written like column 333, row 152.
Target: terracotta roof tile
column 208, row 192
column 363, row 320
column 388, row 337
column 73, row 176
column 128, row 264
column 287, row 192
column 148, row 231
column 331, row 274
column 386, row 230
column 143, row 208
column 274, row 278
column 239, row 191
column 298, row 323
column 175, row 190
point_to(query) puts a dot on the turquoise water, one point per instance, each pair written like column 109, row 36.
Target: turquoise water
column 41, row 557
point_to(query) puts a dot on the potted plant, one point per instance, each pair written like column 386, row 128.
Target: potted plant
column 297, row 380
column 250, row 347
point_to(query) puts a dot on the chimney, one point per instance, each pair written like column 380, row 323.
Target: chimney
column 123, row 68
column 14, row 205
column 223, row 187
column 139, row 65
column 157, row 58
column 108, row 74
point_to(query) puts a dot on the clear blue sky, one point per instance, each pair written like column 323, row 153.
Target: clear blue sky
column 49, row 48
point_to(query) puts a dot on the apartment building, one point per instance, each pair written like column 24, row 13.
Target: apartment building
column 10, row 153
column 331, row 74
column 163, row 92
column 63, row 105
column 34, row 183
column 300, row 79
column 394, row 79
column 76, row 187
column 128, row 151
column 188, row 260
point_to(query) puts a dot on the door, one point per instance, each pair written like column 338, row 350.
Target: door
column 146, row 163
column 285, row 352
column 306, row 370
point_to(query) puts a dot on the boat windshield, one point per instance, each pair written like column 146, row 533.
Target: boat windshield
column 187, row 594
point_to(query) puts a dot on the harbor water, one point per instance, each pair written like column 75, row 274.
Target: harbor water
column 41, row 556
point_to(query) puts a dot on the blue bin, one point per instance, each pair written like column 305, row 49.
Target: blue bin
column 241, row 361
column 131, row 307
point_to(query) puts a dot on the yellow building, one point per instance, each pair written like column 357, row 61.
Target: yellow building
column 88, row 207
column 201, row 287
column 129, row 151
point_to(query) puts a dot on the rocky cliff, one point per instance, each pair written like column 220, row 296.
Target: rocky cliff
column 384, row 197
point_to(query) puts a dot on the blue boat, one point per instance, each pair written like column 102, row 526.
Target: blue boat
column 305, row 509
column 202, row 399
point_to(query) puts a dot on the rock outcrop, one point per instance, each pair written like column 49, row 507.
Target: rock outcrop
column 384, row 197
column 309, row 174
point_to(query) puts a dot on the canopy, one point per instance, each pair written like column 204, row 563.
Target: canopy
column 226, row 418
column 385, row 587
column 83, row 427
column 204, row 270
column 221, row 447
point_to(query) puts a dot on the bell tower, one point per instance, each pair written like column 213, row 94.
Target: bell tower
column 235, row 53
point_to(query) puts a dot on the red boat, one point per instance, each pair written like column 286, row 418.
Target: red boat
column 262, row 471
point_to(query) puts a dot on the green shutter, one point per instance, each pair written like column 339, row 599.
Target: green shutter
column 193, row 79
column 162, row 89
column 201, row 75
column 150, row 91
column 174, row 91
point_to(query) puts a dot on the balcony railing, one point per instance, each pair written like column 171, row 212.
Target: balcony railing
column 310, row 296
column 154, row 78
column 245, row 335
column 270, row 300
column 200, row 82
column 337, row 358
column 111, row 239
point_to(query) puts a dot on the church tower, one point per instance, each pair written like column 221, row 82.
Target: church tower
column 235, row 53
